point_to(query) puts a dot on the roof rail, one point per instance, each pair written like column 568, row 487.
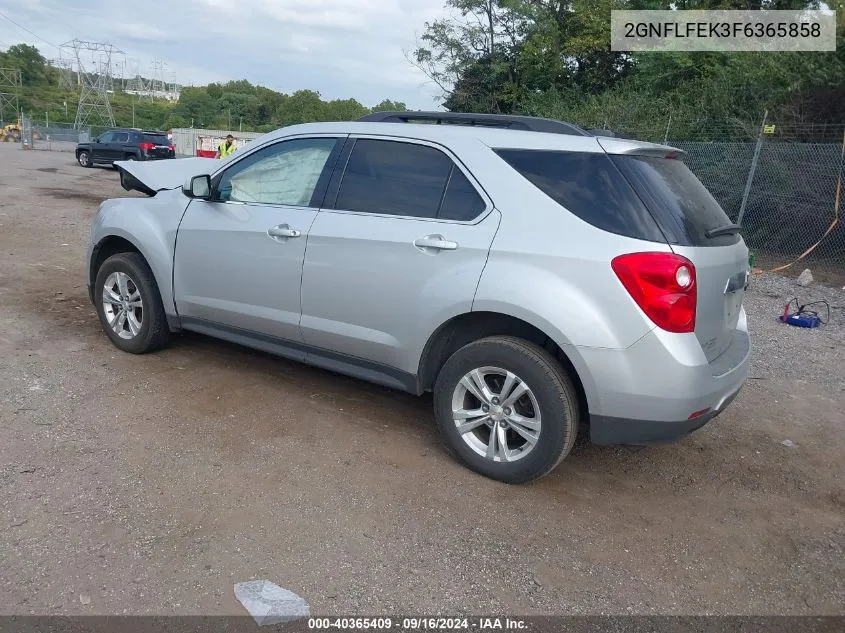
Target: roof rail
column 509, row 121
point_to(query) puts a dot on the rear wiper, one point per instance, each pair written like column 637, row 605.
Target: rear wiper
column 728, row 229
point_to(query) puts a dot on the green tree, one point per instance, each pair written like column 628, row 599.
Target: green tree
column 27, row 59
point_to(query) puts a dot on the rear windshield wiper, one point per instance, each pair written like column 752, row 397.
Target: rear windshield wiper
column 728, row 229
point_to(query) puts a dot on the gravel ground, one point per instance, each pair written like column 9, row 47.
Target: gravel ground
column 152, row 484
column 800, row 354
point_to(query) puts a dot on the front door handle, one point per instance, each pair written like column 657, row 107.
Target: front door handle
column 437, row 242
column 283, row 230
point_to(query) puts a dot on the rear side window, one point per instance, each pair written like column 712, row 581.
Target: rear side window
column 406, row 179
column 682, row 206
column 155, row 139
column 461, row 201
column 120, row 137
column 589, row 186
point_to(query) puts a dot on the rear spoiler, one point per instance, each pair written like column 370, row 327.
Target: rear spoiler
column 639, row 148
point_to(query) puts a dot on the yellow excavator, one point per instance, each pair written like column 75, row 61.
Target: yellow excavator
column 12, row 133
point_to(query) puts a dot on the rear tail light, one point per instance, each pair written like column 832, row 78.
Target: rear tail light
column 147, row 147
column 663, row 286
column 172, row 148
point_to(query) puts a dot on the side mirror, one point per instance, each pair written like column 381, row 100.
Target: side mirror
column 198, row 187
column 96, row 139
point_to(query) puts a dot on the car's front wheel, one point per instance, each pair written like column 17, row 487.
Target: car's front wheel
column 129, row 304
column 84, row 159
column 506, row 408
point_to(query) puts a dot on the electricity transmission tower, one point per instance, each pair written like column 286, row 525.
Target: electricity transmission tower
column 94, row 68
column 67, row 80
column 159, row 86
column 10, row 86
column 136, row 83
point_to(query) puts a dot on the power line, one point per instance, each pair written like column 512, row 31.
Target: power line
column 3, row 15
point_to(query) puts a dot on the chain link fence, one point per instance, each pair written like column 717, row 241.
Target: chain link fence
column 32, row 134
column 784, row 194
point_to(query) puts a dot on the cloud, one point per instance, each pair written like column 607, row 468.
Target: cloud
column 341, row 48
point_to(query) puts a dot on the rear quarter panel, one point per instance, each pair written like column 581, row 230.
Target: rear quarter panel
column 551, row 269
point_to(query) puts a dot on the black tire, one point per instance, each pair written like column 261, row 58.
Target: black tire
column 84, row 159
column 154, row 332
column 552, row 387
column 131, row 157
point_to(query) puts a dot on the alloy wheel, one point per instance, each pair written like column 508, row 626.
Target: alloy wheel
column 497, row 414
column 122, row 305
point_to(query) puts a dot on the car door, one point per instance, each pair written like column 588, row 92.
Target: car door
column 397, row 250
column 238, row 262
column 100, row 147
column 117, row 147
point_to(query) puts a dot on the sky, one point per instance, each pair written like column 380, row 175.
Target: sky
column 340, row 48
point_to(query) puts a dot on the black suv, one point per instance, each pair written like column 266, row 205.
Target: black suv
column 124, row 144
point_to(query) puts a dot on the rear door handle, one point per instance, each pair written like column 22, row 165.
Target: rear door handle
column 283, row 230
column 437, row 242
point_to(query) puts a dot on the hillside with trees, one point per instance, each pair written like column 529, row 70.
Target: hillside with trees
column 233, row 105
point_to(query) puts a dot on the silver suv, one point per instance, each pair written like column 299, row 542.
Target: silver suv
column 535, row 277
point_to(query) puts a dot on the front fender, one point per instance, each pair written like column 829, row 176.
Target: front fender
column 150, row 225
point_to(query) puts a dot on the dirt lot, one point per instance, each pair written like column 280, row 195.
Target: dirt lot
column 152, row 484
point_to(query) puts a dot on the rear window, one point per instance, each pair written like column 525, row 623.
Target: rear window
column 155, row 139
column 682, row 206
column 589, row 186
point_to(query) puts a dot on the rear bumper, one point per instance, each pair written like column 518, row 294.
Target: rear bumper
column 612, row 430
column 649, row 392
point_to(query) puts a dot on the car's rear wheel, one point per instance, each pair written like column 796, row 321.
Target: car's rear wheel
column 506, row 408
column 84, row 159
column 129, row 304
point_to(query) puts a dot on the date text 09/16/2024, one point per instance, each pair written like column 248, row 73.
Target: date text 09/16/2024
column 418, row 624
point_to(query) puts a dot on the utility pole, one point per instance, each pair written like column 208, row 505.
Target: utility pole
column 230, row 119
column 133, row 110
column 240, row 124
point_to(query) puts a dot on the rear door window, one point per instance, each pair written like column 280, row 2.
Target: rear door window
column 682, row 206
column 120, row 137
column 589, row 186
column 394, row 178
